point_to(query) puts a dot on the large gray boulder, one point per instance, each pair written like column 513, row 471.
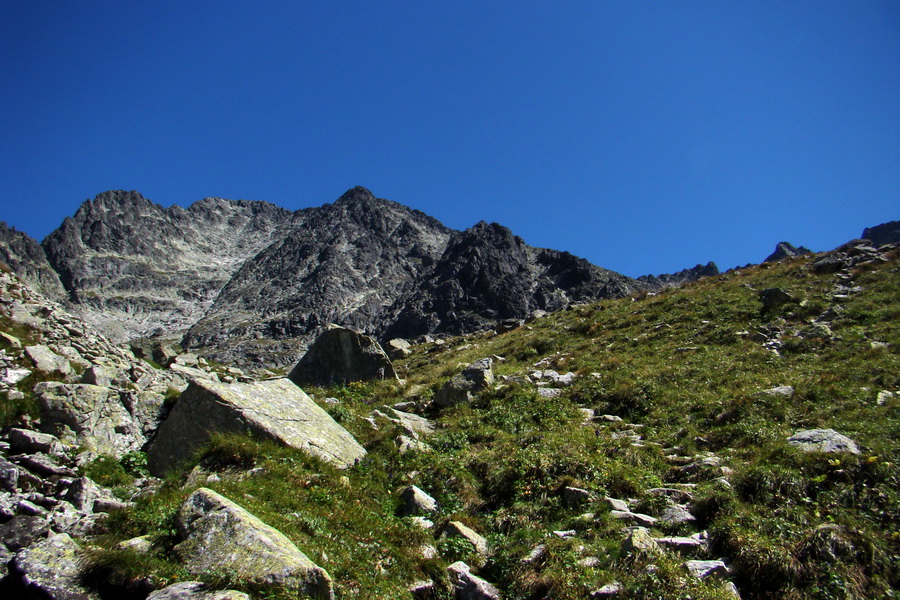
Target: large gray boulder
column 340, row 355
column 90, row 416
column 221, row 537
column 275, row 409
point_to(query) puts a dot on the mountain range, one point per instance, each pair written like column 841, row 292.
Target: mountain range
column 252, row 283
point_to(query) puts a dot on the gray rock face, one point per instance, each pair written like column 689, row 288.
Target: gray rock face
column 344, row 263
column 275, row 409
column 823, row 440
column 90, row 415
column 27, row 260
column 786, row 250
column 134, row 268
column 220, row 536
column 251, row 282
column 342, row 355
column 486, row 274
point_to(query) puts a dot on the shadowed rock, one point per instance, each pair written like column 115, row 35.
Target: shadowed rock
column 341, row 355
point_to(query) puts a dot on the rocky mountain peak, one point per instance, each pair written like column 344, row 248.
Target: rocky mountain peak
column 356, row 195
column 786, row 250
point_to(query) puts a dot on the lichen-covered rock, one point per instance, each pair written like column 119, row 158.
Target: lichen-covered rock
column 221, row 537
column 275, row 409
column 340, row 355
column 88, row 415
column 823, row 440
column 51, row 569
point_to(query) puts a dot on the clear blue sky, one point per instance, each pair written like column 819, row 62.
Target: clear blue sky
column 643, row 136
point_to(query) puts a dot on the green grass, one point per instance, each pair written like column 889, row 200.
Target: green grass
column 684, row 367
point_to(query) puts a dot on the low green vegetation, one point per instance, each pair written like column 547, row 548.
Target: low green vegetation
column 683, row 370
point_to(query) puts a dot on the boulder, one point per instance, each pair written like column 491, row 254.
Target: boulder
column 51, row 569
column 774, row 297
column 701, row 569
column 414, row 501
column 639, row 542
column 461, row 387
column 457, row 529
column 467, row 586
column 220, row 537
column 823, row 440
column 22, row 531
column 341, row 355
column 573, row 497
column 88, row 415
column 195, row 590
column 49, row 362
column 676, row 515
column 29, row 442
column 398, row 348
column 275, row 409
column 782, row 391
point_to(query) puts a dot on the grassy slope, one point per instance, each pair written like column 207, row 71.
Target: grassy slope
column 793, row 525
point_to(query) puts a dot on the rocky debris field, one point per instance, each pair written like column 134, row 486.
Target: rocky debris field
column 734, row 438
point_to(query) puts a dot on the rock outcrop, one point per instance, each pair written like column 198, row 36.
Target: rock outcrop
column 221, row 537
column 276, row 410
column 886, row 233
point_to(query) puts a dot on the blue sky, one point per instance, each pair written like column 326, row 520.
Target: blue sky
column 643, row 136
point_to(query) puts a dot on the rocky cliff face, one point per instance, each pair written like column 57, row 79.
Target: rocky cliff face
column 25, row 257
column 134, row 268
column 487, row 274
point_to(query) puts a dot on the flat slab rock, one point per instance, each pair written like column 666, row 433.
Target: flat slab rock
column 275, row 409
column 222, row 537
